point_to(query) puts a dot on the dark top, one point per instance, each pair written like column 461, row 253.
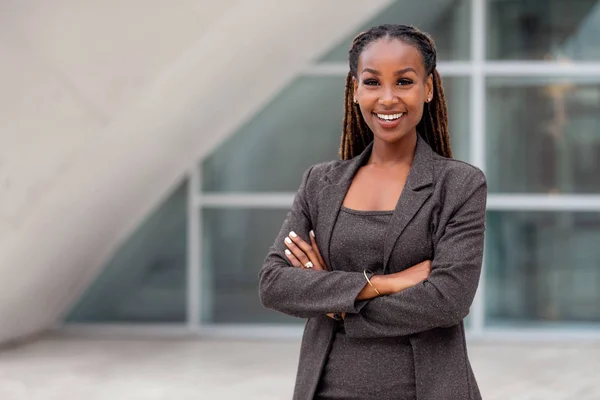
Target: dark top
column 356, row 244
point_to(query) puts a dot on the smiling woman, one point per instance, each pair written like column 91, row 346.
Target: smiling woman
column 382, row 249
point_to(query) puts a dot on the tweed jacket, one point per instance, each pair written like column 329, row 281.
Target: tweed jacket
column 440, row 216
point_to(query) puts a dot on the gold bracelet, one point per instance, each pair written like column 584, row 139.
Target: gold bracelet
column 368, row 280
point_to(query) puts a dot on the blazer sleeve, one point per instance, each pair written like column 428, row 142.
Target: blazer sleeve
column 304, row 293
column 444, row 299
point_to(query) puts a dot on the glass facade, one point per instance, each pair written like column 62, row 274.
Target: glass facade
column 235, row 243
column 145, row 281
column 542, row 268
column 514, row 110
column 543, row 30
column 447, row 21
column 549, row 129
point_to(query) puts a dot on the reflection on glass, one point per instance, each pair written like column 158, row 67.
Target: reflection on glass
column 456, row 91
column 543, row 30
column 447, row 21
column 235, row 244
column 542, row 268
column 543, row 135
column 301, row 127
column 145, row 281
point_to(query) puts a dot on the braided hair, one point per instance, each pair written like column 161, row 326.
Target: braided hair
column 433, row 126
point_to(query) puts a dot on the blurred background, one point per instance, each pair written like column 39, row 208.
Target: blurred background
column 150, row 151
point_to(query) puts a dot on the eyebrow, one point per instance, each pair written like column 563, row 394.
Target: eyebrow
column 399, row 72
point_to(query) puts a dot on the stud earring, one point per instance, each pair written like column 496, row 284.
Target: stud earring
column 355, row 101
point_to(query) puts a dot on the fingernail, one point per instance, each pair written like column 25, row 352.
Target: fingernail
column 288, row 240
column 312, row 233
column 287, row 252
column 293, row 234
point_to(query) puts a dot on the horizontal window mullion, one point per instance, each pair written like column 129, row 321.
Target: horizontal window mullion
column 245, row 200
column 489, row 68
column 341, row 69
column 518, row 202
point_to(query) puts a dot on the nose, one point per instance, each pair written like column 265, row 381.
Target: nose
column 388, row 97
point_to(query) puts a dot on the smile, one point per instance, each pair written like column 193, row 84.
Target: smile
column 389, row 117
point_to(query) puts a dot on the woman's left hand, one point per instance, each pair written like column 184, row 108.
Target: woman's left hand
column 302, row 254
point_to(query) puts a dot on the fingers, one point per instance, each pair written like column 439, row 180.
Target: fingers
column 305, row 247
column 293, row 259
column 332, row 316
column 315, row 246
column 422, row 265
column 302, row 251
column 427, row 266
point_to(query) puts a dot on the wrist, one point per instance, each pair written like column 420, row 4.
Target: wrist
column 382, row 283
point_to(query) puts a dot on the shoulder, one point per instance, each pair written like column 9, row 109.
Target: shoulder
column 452, row 171
column 314, row 180
column 457, row 181
column 315, row 175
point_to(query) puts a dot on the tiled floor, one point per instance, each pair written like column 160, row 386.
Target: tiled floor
column 86, row 369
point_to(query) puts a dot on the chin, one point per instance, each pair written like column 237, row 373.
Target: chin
column 391, row 137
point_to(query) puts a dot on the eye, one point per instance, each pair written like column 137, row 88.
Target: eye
column 370, row 82
column 404, row 82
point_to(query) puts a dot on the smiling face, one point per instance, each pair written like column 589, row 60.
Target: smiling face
column 391, row 88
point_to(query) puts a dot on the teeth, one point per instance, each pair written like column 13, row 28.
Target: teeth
column 390, row 117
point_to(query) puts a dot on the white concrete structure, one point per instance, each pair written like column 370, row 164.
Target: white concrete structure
column 105, row 105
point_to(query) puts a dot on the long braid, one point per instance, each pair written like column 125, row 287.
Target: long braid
column 356, row 134
column 433, row 126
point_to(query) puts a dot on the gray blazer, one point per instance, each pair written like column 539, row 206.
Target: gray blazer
column 440, row 216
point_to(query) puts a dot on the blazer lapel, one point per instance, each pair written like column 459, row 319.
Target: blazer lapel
column 418, row 188
column 331, row 199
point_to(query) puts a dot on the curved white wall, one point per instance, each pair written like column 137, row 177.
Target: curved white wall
column 105, row 105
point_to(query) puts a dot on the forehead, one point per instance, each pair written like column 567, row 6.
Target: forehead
column 391, row 54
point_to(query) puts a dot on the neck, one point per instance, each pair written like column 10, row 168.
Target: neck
column 391, row 154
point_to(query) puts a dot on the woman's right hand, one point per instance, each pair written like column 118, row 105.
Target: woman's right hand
column 413, row 275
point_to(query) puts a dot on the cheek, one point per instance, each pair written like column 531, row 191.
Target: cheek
column 367, row 102
column 416, row 102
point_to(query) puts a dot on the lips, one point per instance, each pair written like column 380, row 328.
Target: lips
column 389, row 120
column 389, row 116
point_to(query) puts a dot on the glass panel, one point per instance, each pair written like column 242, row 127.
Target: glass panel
column 542, row 268
column 543, row 30
column 301, row 127
column 543, row 135
column 145, row 281
column 447, row 21
column 235, row 244
column 457, row 93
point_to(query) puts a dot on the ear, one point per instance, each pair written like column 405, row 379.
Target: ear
column 355, row 85
column 429, row 88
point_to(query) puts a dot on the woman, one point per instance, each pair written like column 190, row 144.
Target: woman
column 382, row 250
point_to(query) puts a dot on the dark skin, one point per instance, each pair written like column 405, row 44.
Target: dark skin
column 391, row 90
